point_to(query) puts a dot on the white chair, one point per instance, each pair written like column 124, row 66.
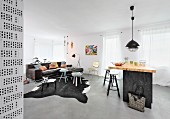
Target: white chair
column 94, row 69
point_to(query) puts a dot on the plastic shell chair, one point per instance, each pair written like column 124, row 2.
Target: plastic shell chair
column 94, row 69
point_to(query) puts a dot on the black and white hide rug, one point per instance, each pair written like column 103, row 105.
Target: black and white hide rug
column 67, row 90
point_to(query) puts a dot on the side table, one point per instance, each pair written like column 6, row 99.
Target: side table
column 63, row 74
column 75, row 77
column 47, row 81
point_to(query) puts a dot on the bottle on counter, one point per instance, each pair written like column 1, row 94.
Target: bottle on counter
column 142, row 63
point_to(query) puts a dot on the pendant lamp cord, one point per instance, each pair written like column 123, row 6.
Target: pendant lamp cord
column 132, row 18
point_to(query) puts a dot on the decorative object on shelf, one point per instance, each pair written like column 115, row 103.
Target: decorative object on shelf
column 78, row 63
column 66, row 43
column 132, row 45
column 36, row 61
column 131, row 62
column 119, row 64
column 91, row 50
column 126, row 59
column 44, row 60
column 142, row 63
column 72, row 44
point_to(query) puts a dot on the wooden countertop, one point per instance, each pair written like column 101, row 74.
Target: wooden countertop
column 134, row 68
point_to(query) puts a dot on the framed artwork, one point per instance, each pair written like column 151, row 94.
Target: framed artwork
column 91, row 50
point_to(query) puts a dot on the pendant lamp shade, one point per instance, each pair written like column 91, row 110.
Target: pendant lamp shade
column 132, row 45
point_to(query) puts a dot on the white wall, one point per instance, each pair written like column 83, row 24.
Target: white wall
column 80, row 42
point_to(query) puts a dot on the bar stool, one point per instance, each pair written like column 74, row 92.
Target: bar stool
column 75, row 77
column 107, row 73
column 111, row 81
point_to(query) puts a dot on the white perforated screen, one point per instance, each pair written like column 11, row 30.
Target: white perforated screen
column 11, row 59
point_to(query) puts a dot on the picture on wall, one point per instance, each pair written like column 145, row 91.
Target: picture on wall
column 91, row 50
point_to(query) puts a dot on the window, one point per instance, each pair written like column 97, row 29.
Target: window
column 50, row 50
column 111, row 51
column 155, row 47
column 155, row 50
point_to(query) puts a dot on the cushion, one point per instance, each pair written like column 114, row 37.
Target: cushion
column 37, row 66
column 52, row 66
column 55, row 63
column 63, row 64
column 43, row 68
column 59, row 64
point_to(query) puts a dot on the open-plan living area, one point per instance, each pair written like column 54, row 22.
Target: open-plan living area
column 84, row 59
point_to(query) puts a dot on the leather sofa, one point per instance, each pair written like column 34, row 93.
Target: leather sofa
column 37, row 74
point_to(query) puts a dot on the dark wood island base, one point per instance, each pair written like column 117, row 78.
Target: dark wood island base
column 141, row 78
column 137, row 75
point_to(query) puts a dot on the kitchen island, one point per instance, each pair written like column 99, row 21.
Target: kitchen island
column 134, row 76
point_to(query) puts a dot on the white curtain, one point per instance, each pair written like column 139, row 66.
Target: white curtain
column 50, row 50
column 58, row 51
column 43, row 50
column 111, row 50
column 155, row 50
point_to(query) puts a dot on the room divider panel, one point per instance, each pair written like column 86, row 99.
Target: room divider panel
column 11, row 59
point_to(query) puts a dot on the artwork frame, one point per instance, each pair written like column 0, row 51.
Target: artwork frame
column 91, row 49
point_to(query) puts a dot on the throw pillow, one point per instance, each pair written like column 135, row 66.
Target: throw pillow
column 52, row 66
column 63, row 64
column 37, row 66
column 43, row 68
column 55, row 63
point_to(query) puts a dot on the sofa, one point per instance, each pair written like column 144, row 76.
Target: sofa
column 36, row 74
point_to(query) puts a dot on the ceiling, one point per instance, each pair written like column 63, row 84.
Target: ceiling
column 54, row 19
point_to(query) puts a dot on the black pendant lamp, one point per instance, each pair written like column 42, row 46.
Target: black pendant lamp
column 132, row 45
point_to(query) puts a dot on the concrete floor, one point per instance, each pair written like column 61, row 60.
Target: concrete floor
column 99, row 106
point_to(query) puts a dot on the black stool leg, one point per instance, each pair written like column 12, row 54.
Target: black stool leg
column 110, row 81
column 107, row 72
column 117, row 86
